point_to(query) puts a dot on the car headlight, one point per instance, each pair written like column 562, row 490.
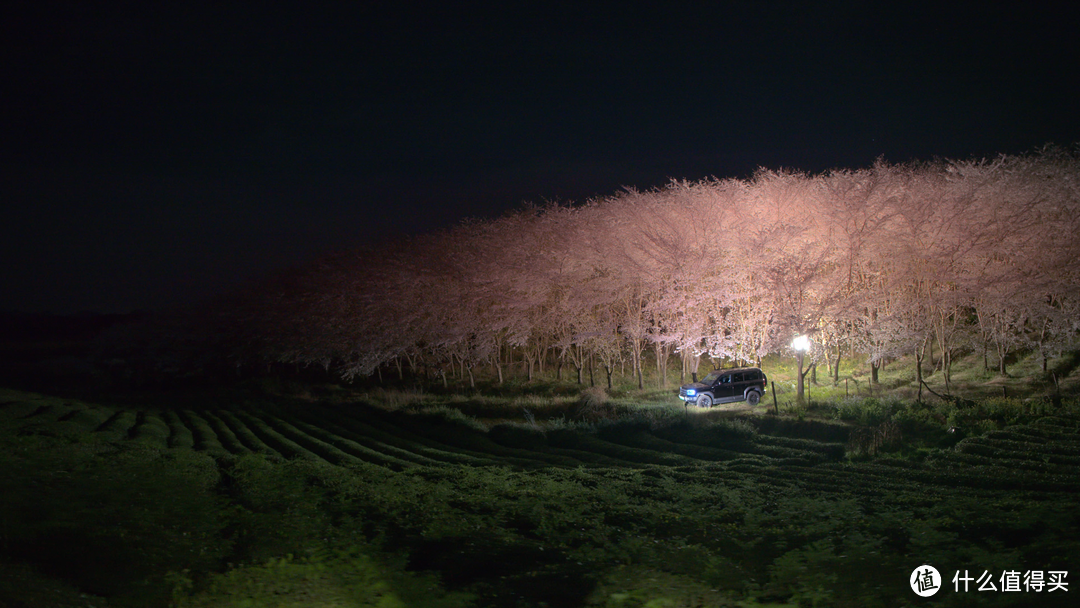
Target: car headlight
column 690, row 392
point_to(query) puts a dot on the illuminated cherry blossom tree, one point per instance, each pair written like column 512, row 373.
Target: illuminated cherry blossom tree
column 894, row 260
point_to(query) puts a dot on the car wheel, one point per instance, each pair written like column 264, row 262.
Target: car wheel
column 704, row 401
column 753, row 397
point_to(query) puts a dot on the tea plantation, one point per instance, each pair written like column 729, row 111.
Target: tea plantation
column 346, row 504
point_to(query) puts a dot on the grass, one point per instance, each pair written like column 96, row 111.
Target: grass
column 545, row 399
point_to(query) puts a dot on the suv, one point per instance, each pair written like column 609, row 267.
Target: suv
column 726, row 385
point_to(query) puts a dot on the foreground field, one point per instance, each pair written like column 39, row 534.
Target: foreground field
column 279, row 502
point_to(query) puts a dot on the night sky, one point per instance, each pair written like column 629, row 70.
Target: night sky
column 152, row 156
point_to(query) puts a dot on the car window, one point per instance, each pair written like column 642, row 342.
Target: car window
column 725, row 380
column 736, row 377
column 753, row 375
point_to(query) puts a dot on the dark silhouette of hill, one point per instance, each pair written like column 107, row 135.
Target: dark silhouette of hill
column 24, row 327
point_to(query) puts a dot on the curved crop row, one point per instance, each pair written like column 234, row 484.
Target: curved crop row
column 1059, row 424
column 1034, row 432
column 629, row 455
column 206, row 439
column 323, row 449
column 1019, row 469
column 225, row 436
column 119, row 425
column 14, row 409
column 989, row 476
column 1022, row 443
column 272, row 438
column 152, row 430
column 179, row 434
column 86, row 418
column 645, row 440
column 360, row 448
column 245, row 436
column 404, row 444
column 1036, row 450
column 1027, row 452
column 830, row 451
column 460, row 436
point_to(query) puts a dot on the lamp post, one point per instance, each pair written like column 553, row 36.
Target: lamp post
column 801, row 344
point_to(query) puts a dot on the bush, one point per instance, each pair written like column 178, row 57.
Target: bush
column 594, row 405
column 515, row 435
column 867, row 410
column 452, row 415
column 346, row 578
column 111, row 522
column 868, row 441
column 802, row 429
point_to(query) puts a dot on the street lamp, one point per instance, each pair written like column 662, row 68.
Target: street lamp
column 801, row 344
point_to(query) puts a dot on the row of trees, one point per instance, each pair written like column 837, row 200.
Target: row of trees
column 944, row 257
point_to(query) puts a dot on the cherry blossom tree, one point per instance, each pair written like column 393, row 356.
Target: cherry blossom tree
column 903, row 260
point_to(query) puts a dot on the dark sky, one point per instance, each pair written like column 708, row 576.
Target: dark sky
column 153, row 155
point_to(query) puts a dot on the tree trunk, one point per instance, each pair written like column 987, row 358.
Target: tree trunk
column 873, row 373
column 662, row 364
column 799, row 380
column 542, row 354
column 946, row 368
column 836, row 370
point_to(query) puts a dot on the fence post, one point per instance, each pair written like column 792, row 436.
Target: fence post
column 777, row 407
column 846, row 394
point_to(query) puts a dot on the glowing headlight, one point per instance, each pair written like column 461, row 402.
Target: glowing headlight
column 690, row 392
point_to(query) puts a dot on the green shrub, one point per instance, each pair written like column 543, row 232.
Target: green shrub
column 867, row 410
column 111, row 522
column 280, row 509
column 152, row 430
column 517, row 435
column 594, row 405
column 452, row 415
column 345, row 579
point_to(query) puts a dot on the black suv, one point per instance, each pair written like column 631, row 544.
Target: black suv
column 726, row 385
